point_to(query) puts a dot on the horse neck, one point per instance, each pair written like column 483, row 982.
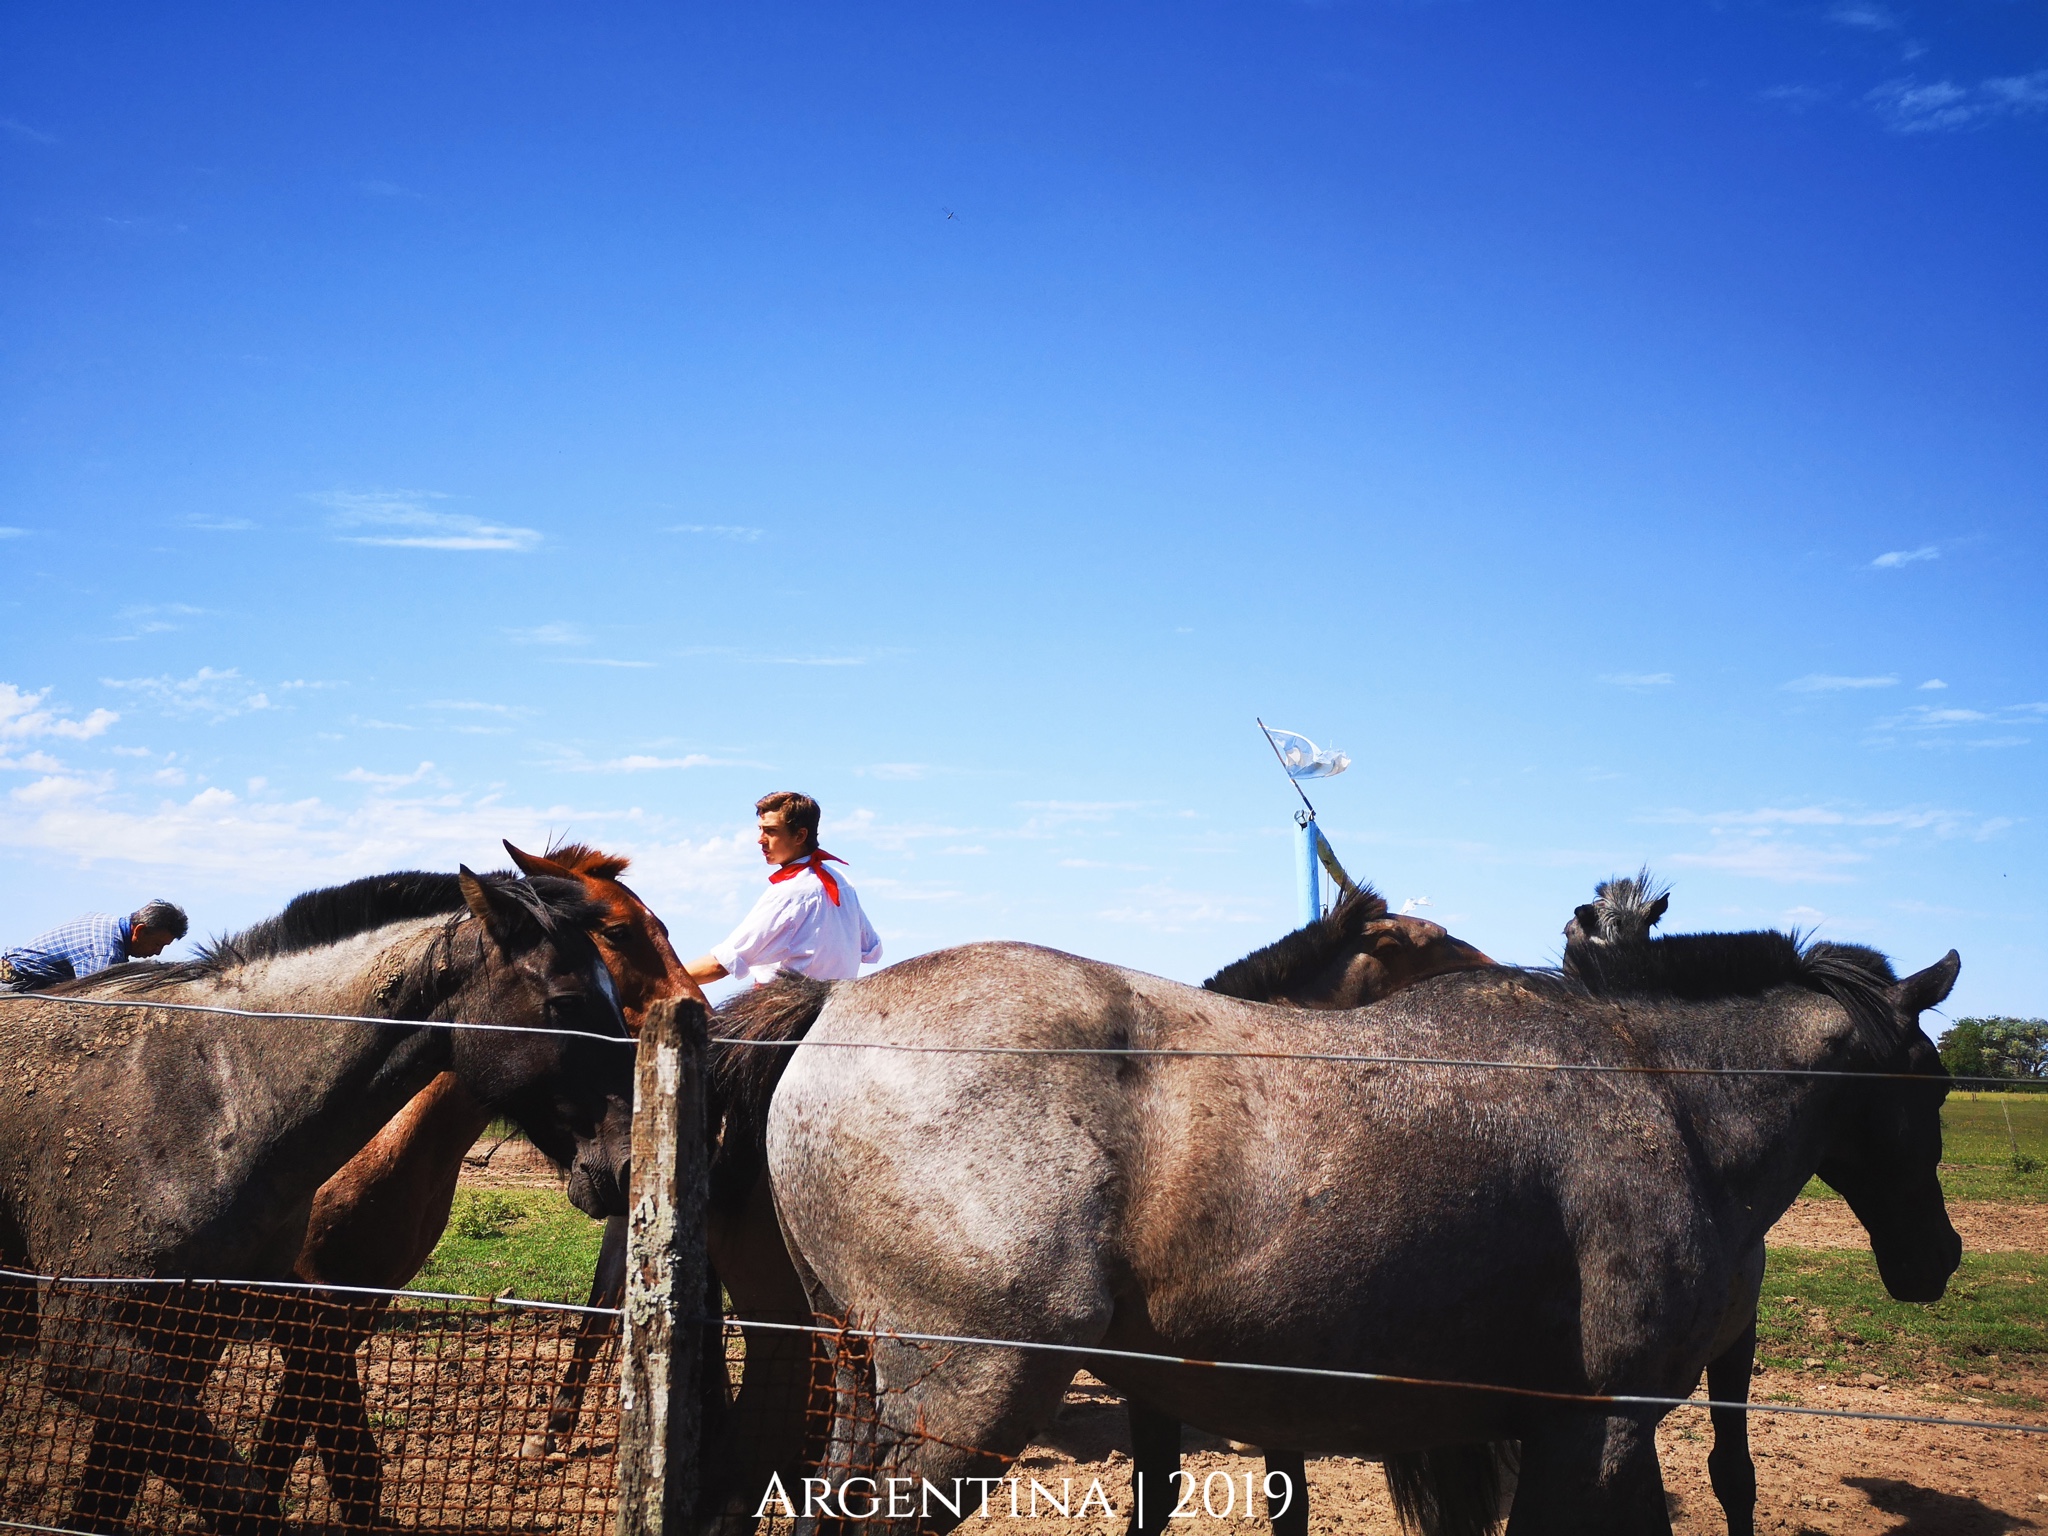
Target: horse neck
column 1761, row 1135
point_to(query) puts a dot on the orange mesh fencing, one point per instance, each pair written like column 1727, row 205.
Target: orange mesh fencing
column 406, row 1411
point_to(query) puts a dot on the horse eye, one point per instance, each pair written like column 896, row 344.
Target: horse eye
column 618, row 933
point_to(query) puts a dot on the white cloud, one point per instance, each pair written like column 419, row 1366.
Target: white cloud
column 1797, row 97
column 387, row 780
column 1761, row 859
column 205, row 524
column 1164, row 908
column 23, row 718
column 811, row 661
column 219, row 695
column 733, row 531
column 600, row 661
column 1863, row 16
column 31, row 762
column 388, row 189
column 1639, row 680
column 894, row 771
column 641, row 762
column 558, row 633
column 477, row 706
column 1828, row 682
column 21, row 130
column 8, row 532
column 1908, row 106
column 1892, row 559
column 412, row 524
column 1931, row 683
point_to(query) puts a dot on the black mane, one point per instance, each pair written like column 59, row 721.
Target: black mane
column 1703, row 967
column 1267, row 973
column 336, row 912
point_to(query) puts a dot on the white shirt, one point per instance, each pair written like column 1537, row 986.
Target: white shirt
column 795, row 925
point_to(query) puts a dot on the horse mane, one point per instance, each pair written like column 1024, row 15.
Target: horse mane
column 586, row 860
column 741, row 1078
column 1612, row 956
column 337, row 912
column 1269, row 972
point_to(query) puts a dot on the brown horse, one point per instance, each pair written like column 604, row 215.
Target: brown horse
column 1354, row 955
column 377, row 1220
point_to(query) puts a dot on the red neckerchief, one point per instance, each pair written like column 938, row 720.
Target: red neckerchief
column 816, row 865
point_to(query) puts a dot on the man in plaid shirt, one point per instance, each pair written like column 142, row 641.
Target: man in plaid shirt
column 92, row 943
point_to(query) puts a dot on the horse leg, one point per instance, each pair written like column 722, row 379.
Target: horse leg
column 1292, row 1520
column 607, row 1289
column 1584, row 1474
column 1155, row 1457
column 1729, row 1465
column 110, row 1479
column 348, row 1448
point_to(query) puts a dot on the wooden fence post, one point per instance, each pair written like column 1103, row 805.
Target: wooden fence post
column 658, row 1409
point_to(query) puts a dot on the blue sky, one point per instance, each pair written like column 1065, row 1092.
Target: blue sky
column 1618, row 427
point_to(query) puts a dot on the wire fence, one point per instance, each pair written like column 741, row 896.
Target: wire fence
column 352, row 1407
column 1353, row 1058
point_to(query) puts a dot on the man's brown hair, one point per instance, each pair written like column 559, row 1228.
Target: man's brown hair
column 799, row 811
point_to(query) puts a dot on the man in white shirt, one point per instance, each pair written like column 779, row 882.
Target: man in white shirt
column 808, row 920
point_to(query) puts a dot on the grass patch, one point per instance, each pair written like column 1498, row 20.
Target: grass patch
column 1828, row 1307
column 1977, row 1161
column 530, row 1243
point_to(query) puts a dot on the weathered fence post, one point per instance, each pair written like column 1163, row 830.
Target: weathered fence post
column 664, row 1276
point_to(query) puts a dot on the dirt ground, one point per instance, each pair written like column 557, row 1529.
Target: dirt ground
column 1985, row 1226
column 1814, row 1476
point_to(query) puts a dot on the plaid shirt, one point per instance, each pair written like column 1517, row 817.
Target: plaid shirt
column 85, row 944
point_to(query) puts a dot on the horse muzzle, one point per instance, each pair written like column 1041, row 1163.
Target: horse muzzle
column 1915, row 1266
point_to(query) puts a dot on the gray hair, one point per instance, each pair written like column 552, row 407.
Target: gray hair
column 163, row 916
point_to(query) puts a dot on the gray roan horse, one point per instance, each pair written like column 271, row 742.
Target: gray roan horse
column 1574, row 1232
column 142, row 1142
column 1352, row 956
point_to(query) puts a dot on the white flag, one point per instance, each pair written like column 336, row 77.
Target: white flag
column 1303, row 759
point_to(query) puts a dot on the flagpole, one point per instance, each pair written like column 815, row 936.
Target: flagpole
column 1307, row 863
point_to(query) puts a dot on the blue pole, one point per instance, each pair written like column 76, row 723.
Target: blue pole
column 1311, row 871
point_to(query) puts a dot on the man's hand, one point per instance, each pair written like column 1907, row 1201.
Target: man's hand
column 705, row 970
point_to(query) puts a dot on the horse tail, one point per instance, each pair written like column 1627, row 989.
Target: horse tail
column 753, row 1036
column 1451, row 1490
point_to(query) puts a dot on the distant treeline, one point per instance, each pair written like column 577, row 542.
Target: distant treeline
column 1998, row 1047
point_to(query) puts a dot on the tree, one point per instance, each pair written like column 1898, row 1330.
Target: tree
column 1997, row 1047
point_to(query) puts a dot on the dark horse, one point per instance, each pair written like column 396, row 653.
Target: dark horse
column 1355, row 955
column 1523, row 1230
column 141, row 1142
column 377, row 1220
column 1352, row 956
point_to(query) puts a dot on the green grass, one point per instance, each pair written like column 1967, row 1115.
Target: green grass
column 1976, row 1155
column 1828, row 1307
column 530, row 1243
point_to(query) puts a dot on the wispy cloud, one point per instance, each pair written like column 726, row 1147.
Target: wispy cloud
column 31, row 762
column 738, row 533
column 641, row 762
column 1912, row 106
column 1863, row 17
column 387, row 780
column 8, row 532
column 1796, row 96
column 599, row 661
column 206, row 524
column 1931, row 684
column 158, row 618
column 1892, row 559
column 810, row 661
column 1830, row 682
column 1639, row 680
column 1821, row 844
column 479, row 707
column 408, row 521
column 389, row 189
column 550, row 634
column 25, row 717
column 1957, row 726
column 894, row 771
column 216, row 694
column 19, row 130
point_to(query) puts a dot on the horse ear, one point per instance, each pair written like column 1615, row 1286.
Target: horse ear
column 535, row 864
column 1923, row 989
column 1655, row 910
column 499, row 911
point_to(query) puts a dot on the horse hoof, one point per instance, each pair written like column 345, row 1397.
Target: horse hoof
column 534, row 1448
